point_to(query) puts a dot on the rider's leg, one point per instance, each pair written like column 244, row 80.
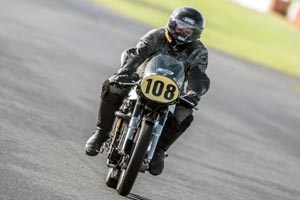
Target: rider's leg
column 174, row 128
column 110, row 100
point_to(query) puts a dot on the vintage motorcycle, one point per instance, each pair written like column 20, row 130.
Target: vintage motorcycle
column 140, row 121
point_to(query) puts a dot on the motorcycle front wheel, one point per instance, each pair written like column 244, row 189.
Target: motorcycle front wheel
column 128, row 175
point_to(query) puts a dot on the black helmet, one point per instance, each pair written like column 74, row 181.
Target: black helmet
column 184, row 26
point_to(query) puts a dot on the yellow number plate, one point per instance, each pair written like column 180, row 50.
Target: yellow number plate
column 159, row 88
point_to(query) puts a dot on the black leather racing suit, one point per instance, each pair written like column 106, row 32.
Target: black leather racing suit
column 195, row 59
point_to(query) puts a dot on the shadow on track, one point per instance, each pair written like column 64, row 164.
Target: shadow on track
column 136, row 197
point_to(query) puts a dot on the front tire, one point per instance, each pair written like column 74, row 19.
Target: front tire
column 128, row 175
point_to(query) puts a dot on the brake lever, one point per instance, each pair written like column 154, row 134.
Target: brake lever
column 188, row 102
column 127, row 84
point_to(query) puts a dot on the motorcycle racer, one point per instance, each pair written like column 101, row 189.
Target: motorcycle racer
column 179, row 39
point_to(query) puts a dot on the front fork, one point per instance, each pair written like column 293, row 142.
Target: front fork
column 132, row 127
column 157, row 130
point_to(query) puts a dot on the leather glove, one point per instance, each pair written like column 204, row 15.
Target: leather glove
column 192, row 97
column 116, row 78
column 124, row 78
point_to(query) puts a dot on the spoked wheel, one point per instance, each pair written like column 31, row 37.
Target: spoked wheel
column 112, row 178
column 129, row 173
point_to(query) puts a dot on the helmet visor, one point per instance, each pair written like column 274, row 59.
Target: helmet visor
column 187, row 31
column 184, row 31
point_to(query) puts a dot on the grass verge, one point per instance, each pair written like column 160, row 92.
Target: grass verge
column 264, row 38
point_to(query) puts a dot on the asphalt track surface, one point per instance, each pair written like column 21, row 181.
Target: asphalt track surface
column 244, row 143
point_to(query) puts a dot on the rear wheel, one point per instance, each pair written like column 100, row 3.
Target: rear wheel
column 129, row 174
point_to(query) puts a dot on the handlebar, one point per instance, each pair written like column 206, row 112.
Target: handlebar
column 136, row 83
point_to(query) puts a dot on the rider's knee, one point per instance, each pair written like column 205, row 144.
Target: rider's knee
column 112, row 94
column 183, row 117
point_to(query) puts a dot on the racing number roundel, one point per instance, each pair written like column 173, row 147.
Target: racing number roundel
column 159, row 88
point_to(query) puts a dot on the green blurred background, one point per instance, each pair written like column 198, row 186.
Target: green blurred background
column 268, row 38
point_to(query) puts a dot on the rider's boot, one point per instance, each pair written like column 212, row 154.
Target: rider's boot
column 171, row 132
column 157, row 163
column 94, row 143
column 106, row 116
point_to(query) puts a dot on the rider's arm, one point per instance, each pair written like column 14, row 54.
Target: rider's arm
column 198, row 81
column 134, row 57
